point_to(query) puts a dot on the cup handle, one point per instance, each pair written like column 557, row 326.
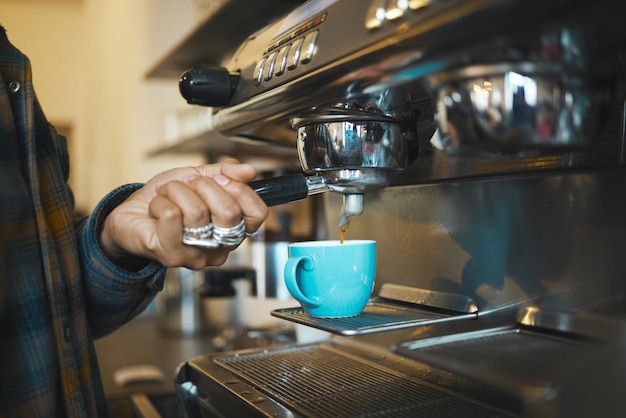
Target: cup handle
column 291, row 274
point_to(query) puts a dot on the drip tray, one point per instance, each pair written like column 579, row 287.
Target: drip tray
column 322, row 381
column 397, row 307
column 376, row 317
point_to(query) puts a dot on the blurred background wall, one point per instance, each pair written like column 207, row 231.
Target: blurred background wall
column 89, row 60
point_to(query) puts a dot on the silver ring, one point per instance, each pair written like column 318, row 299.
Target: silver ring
column 201, row 232
column 229, row 236
column 199, row 237
column 213, row 236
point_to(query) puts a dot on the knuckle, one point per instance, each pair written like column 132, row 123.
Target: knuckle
column 231, row 212
column 171, row 214
column 169, row 187
column 258, row 214
column 263, row 212
column 198, row 213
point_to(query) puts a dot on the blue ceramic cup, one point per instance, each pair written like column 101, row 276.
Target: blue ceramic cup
column 331, row 279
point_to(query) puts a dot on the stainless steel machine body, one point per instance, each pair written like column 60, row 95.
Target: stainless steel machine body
column 500, row 287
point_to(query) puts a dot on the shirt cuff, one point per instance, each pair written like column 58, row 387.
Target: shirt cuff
column 152, row 274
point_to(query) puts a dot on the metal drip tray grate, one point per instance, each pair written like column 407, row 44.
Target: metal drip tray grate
column 318, row 381
column 376, row 317
column 397, row 307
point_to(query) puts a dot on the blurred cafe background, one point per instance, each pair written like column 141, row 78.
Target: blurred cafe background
column 479, row 142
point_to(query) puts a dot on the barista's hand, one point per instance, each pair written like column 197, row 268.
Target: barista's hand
column 149, row 224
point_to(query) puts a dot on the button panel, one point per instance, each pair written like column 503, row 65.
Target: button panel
column 297, row 31
column 299, row 52
column 296, row 47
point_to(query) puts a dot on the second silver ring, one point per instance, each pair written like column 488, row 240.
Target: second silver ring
column 229, row 236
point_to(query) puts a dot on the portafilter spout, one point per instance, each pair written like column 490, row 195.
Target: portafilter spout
column 353, row 205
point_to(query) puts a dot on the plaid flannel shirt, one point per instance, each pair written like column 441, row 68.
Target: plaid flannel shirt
column 58, row 291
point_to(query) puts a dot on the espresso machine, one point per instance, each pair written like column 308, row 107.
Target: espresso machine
column 481, row 144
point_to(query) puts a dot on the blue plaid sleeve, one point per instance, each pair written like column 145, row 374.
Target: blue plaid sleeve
column 113, row 295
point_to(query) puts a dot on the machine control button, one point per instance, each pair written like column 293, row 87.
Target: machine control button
column 258, row 72
column 281, row 60
column 269, row 66
column 309, row 47
column 375, row 15
column 396, row 9
column 293, row 57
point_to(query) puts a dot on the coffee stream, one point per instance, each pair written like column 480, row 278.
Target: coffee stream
column 342, row 232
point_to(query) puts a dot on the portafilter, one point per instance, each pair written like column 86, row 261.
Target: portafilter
column 351, row 147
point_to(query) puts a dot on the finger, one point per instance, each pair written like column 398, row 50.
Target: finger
column 239, row 172
column 169, row 218
column 194, row 209
column 167, row 246
column 224, row 210
column 253, row 209
column 231, row 168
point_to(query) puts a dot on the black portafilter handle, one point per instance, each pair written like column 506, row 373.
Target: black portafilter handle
column 208, row 86
column 283, row 189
